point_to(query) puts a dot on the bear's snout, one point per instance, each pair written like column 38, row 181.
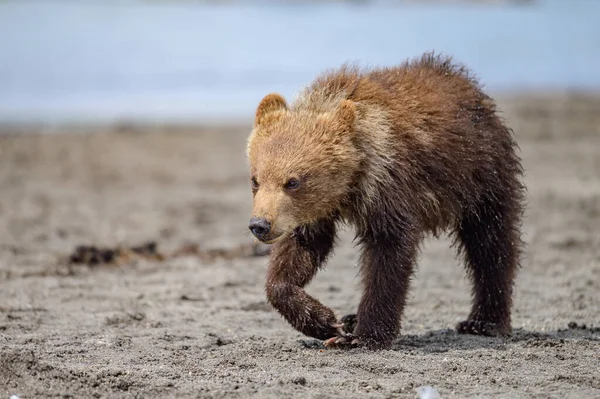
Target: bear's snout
column 260, row 227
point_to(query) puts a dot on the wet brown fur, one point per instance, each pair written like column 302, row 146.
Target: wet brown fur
column 399, row 153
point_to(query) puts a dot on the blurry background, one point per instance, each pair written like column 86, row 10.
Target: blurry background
column 113, row 60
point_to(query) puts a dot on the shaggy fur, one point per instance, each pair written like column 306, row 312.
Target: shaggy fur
column 399, row 153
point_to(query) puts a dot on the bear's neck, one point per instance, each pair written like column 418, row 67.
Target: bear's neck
column 373, row 139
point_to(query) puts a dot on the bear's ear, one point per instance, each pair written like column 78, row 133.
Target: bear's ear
column 345, row 115
column 270, row 104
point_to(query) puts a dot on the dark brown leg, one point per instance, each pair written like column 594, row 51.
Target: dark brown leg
column 387, row 265
column 294, row 262
column 490, row 240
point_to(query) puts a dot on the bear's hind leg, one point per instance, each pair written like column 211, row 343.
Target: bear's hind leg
column 488, row 237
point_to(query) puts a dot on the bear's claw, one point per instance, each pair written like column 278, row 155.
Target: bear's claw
column 345, row 342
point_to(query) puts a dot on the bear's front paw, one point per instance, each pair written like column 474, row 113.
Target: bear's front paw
column 346, row 341
column 480, row 327
column 349, row 341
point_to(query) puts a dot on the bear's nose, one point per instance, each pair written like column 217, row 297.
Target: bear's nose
column 260, row 227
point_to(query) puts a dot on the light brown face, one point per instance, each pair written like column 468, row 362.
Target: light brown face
column 301, row 166
column 278, row 205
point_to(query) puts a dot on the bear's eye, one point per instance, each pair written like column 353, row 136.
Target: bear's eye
column 254, row 182
column 292, row 184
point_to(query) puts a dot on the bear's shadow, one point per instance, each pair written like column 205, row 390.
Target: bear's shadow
column 440, row 341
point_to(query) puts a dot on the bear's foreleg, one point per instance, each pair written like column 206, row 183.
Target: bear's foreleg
column 386, row 266
column 294, row 262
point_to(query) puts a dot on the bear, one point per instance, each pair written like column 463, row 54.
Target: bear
column 400, row 153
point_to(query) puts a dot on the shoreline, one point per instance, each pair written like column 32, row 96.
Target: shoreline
column 580, row 108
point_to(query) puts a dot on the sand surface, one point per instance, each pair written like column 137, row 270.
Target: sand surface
column 197, row 325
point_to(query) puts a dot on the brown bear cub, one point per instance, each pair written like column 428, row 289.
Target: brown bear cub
column 399, row 153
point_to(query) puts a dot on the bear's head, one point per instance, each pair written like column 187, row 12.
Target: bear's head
column 302, row 165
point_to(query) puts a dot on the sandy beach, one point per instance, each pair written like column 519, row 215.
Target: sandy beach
column 189, row 319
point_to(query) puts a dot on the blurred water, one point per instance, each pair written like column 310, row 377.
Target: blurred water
column 111, row 60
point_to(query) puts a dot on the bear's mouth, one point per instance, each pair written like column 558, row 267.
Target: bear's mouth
column 272, row 240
